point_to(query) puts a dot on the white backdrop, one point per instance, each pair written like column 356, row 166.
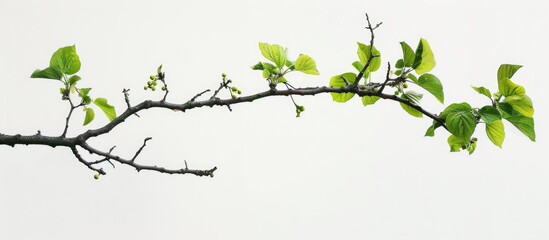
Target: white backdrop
column 341, row 171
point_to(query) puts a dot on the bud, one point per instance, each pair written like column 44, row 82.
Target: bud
column 224, row 75
column 146, row 87
column 164, row 88
column 152, row 77
column 96, row 176
column 153, row 88
column 405, row 85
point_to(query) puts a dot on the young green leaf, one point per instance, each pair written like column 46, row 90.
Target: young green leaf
column 522, row 123
column 496, row 132
column 506, row 71
column 48, row 73
column 338, row 81
column 369, row 100
column 74, row 79
column 424, row 60
column 399, row 64
column 460, row 120
column 306, row 64
column 484, row 91
column 66, row 60
column 412, row 77
column 274, row 52
column 457, row 143
column 364, row 56
column 432, row 84
column 430, row 131
column 109, row 110
column 489, row 114
column 90, row 115
column 408, row 54
column 359, row 66
column 471, row 147
column 258, row 66
column 523, row 105
column 414, row 98
column 508, row 88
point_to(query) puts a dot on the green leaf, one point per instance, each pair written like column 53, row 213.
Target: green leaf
column 107, row 109
column 48, row 73
column 508, row 88
column 338, row 82
column 496, row 132
column 281, row 80
column 90, row 115
column 424, row 60
column 454, row 108
column 460, row 120
column 66, row 60
column 506, row 71
column 471, row 147
column 489, row 114
column 408, row 54
column 414, row 98
column 258, row 66
column 522, row 123
column 74, row 79
column 484, row 91
column 399, row 64
column 274, row 52
column 430, row 131
column 84, row 91
column 369, row 100
column 457, row 143
column 364, row 56
column 412, row 77
column 523, row 105
column 306, row 64
column 359, row 66
column 432, row 84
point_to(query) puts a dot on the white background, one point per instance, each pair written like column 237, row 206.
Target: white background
column 341, row 171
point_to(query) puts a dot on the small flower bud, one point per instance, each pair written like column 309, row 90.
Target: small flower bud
column 96, row 176
column 224, row 75
column 146, row 87
column 152, row 77
column 164, row 88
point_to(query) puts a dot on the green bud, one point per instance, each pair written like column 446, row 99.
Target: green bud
column 153, row 88
column 96, row 176
column 146, row 87
column 224, row 75
column 152, row 77
column 149, row 83
column 405, row 85
column 239, row 92
column 397, row 92
column 233, row 96
column 159, row 69
column 164, row 88
column 234, row 89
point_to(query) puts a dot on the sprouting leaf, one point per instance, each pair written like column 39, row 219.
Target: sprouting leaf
column 274, row 52
column 84, row 91
column 90, row 115
column 471, row 147
column 432, row 84
column 48, row 73
column 66, row 60
column 338, row 81
column 74, row 79
column 408, row 54
column 484, row 91
column 489, row 114
column 523, row 105
column 399, row 64
column 364, row 56
column 522, row 123
column 306, row 64
column 369, row 100
column 107, row 109
column 258, row 66
column 496, row 132
column 424, row 60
